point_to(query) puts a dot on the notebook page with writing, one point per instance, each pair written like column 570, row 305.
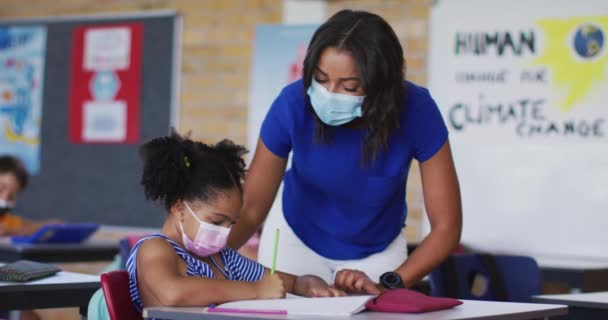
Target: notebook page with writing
column 333, row 306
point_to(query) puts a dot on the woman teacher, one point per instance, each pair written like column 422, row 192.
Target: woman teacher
column 353, row 125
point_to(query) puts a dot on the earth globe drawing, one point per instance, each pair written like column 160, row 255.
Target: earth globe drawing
column 588, row 41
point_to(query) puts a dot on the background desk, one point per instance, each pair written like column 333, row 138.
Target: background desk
column 593, row 305
column 66, row 289
column 468, row 310
column 88, row 251
column 578, row 274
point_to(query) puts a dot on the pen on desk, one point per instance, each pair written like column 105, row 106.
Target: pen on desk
column 274, row 253
column 252, row 311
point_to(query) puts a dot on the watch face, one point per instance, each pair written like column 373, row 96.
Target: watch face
column 391, row 280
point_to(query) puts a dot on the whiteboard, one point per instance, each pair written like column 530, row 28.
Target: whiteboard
column 522, row 86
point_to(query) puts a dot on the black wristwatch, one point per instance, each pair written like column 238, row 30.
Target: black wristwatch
column 391, row 280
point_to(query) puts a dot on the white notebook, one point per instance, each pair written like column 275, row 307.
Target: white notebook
column 334, row 306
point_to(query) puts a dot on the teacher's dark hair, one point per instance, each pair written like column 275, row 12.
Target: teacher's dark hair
column 177, row 168
column 379, row 58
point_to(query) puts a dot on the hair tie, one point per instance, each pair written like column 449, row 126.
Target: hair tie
column 187, row 161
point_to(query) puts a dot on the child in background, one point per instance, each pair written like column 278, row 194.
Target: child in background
column 188, row 264
column 13, row 180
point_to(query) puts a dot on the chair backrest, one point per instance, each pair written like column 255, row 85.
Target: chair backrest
column 115, row 285
column 487, row 277
column 126, row 244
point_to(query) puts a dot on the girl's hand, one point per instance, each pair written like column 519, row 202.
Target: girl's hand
column 270, row 287
column 356, row 282
column 313, row 286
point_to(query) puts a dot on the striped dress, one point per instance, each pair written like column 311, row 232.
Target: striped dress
column 236, row 267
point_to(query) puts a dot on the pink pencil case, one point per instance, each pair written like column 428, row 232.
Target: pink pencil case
column 409, row 301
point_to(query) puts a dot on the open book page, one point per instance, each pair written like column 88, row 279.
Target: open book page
column 334, row 306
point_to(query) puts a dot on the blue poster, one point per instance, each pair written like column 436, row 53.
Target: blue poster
column 22, row 51
column 279, row 52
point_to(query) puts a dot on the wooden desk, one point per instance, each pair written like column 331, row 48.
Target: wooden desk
column 88, row 251
column 468, row 310
column 65, row 289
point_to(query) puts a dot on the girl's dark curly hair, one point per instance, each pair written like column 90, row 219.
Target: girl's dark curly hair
column 177, row 168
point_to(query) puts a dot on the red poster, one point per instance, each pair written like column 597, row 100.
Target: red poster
column 105, row 84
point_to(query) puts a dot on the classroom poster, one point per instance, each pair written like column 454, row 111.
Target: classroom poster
column 105, row 84
column 278, row 55
column 22, row 55
column 523, row 93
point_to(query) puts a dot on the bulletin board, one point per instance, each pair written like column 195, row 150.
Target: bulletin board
column 91, row 179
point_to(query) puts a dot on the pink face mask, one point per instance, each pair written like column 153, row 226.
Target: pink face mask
column 209, row 239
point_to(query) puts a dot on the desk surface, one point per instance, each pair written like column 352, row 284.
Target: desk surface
column 63, row 279
column 477, row 310
column 65, row 289
column 87, row 251
column 593, row 300
column 571, row 263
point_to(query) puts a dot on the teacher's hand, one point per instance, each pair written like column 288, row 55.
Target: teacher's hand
column 355, row 281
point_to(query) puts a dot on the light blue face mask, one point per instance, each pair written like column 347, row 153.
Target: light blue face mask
column 334, row 109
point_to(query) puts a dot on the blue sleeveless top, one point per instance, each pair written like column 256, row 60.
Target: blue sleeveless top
column 236, row 267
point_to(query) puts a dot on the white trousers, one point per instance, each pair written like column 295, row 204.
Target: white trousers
column 294, row 257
